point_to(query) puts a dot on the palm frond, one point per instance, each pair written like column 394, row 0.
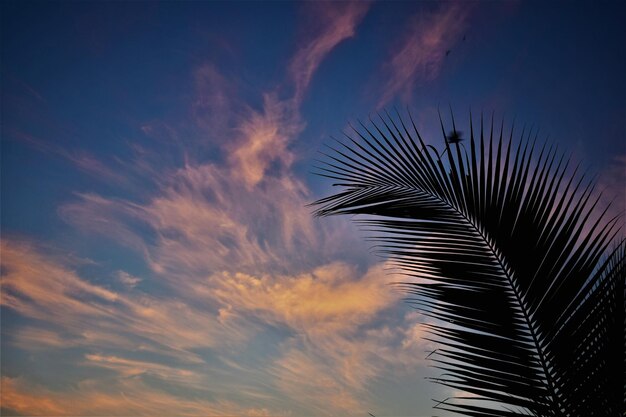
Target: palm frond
column 507, row 255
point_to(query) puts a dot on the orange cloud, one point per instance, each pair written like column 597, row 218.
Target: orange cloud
column 422, row 52
column 331, row 313
column 16, row 398
column 330, row 299
column 338, row 348
column 264, row 139
column 40, row 287
column 124, row 398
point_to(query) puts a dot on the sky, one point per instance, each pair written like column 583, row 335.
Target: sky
column 158, row 256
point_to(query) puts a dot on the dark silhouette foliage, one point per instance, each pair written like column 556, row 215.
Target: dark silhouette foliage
column 508, row 248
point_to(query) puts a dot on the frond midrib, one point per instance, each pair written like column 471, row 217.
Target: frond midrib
column 518, row 297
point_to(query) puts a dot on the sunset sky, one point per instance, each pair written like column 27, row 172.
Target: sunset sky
column 158, row 255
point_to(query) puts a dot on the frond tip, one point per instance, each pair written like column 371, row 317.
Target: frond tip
column 508, row 244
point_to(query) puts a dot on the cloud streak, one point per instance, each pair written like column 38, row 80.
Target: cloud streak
column 82, row 160
column 127, row 397
column 611, row 182
column 336, row 21
column 421, row 53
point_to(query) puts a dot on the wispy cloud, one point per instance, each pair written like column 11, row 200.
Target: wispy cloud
column 334, row 372
column 130, row 368
column 331, row 315
column 213, row 107
column 335, row 22
column 612, row 181
column 250, row 210
column 263, row 139
column 41, row 287
column 94, row 213
column 82, row 160
column 205, row 207
column 128, row 279
column 240, row 256
column 329, row 299
column 95, row 167
column 33, row 338
column 422, row 51
column 126, row 397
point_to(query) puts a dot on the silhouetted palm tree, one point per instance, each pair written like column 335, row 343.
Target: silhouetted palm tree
column 511, row 256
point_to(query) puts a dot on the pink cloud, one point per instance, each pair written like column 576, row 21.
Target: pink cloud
column 613, row 183
column 94, row 213
column 421, row 54
column 95, row 167
column 82, row 160
column 204, row 207
column 337, row 22
column 213, row 105
column 257, row 140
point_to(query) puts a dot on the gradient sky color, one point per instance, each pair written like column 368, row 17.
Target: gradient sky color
column 158, row 257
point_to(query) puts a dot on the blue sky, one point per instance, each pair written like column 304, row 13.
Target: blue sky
column 158, row 257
